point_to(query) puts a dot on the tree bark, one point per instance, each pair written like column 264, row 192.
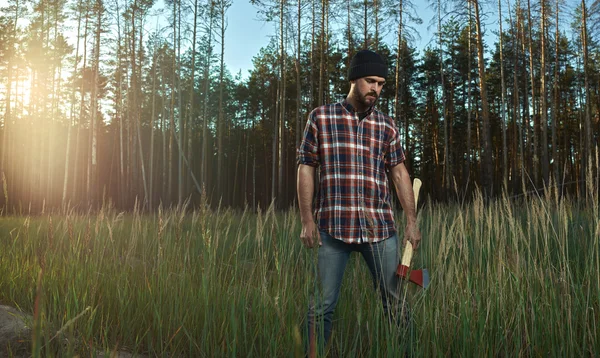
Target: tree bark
column 81, row 106
column 204, row 159
column 399, row 80
column 543, row 97
column 470, row 110
column 298, row 79
column 445, row 117
column 505, row 168
column 192, row 85
column 281, row 144
column 71, row 112
column 556, row 104
column 220, row 128
column 536, row 120
column 587, row 152
column 322, row 55
column 485, row 113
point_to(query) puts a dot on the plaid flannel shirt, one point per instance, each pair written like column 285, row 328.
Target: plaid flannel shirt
column 354, row 155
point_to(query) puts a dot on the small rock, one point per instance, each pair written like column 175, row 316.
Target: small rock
column 14, row 332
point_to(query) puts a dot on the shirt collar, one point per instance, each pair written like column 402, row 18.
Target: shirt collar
column 351, row 109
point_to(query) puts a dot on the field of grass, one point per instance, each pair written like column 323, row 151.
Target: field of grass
column 507, row 279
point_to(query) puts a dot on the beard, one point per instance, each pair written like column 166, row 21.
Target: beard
column 363, row 100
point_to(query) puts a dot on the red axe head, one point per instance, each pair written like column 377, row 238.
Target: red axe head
column 419, row 277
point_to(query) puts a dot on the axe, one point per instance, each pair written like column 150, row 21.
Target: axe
column 419, row 277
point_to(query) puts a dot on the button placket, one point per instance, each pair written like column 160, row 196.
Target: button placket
column 364, row 222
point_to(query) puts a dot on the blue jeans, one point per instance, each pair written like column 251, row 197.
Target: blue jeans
column 382, row 259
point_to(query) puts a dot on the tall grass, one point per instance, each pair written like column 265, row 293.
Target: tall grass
column 508, row 279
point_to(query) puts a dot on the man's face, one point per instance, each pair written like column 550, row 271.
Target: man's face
column 366, row 90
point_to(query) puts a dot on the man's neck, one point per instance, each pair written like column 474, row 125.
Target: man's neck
column 358, row 108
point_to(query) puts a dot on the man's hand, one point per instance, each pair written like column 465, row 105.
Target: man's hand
column 306, row 188
column 412, row 234
column 310, row 235
column 404, row 190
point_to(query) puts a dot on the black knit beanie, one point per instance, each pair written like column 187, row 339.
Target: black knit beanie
column 367, row 63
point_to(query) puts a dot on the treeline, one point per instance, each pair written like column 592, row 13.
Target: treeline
column 130, row 101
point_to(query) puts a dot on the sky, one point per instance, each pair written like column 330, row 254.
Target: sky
column 246, row 34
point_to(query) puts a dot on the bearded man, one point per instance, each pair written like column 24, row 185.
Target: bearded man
column 354, row 146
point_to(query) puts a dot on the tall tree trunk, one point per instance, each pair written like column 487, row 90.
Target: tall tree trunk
column 93, row 180
column 312, row 55
column 485, row 113
column 274, row 143
column 246, row 188
column 8, row 171
column 505, row 168
column 445, row 119
column 349, row 33
column 470, row 110
column 220, row 127
column 192, row 86
column 76, row 184
column 204, row 160
column 525, row 140
column 163, row 129
column 298, row 79
column 536, row 119
column 152, row 140
column 376, row 19
column 365, row 21
column 555, row 162
column 7, row 119
column 399, row 80
column 55, row 95
column 174, row 89
column 180, row 178
column 326, row 80
column 72, row 111
column 322, row 54
column 191, row 112
column 516, row 135
column 587, row 152
column 40, row 169
column 543, row 97
column 281, row 144
column 138, row 114
column 123, row 197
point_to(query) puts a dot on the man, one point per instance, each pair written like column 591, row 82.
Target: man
column 354, row 146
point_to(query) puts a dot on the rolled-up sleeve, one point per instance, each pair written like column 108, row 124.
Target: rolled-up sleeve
column 395, row 154
column 308, row 152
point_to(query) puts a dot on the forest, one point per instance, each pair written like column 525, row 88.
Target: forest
column 148, row 203
column 101, row 104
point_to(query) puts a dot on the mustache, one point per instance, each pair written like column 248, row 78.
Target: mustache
column 374, row 94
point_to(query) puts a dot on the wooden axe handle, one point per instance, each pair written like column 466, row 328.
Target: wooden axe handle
column 408, row 248
column 408, row 253
column 416, row 188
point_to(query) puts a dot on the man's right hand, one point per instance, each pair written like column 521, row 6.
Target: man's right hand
column 310, row 235
column 306, row 188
